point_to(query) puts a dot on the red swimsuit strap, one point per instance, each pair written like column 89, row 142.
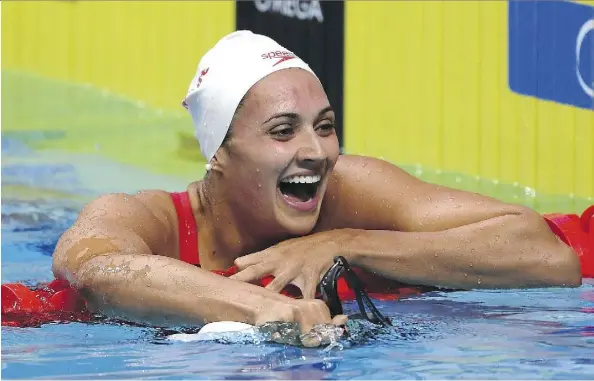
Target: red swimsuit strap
column 188, row 234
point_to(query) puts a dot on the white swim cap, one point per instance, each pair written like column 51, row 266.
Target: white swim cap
column 225, row 74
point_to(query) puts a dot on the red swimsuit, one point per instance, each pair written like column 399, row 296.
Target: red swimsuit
column 188, row 234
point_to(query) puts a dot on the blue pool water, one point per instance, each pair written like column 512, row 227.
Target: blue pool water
column 534, row 334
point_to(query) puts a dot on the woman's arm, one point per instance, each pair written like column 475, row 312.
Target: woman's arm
column 421, row 233
column 165, row 291
column 112, row 254
column 495, row 253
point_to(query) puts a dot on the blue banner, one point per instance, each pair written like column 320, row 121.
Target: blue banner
column 551, row 51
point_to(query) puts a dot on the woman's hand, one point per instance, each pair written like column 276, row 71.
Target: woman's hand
column 300, row 261
column 312, row 326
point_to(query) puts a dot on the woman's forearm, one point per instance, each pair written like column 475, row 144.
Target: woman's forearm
column 164, row 291
column 511, row 251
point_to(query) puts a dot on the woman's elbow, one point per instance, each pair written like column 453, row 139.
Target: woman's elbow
column 565, row 269
column 65, row 267
column 555, row 264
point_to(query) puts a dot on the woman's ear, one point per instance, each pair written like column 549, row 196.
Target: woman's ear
column 216, row 164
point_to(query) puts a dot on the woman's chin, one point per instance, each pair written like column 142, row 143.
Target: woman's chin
column 298, row 225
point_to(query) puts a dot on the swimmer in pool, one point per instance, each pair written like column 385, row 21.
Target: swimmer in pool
column 278, row 199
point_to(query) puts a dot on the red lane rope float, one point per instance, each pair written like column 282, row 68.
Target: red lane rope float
column 587, row 221
column 56, row 301
column 577, row 232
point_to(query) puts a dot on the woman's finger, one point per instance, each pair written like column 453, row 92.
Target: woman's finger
column 249, row 260
column 309, row 289
column 311, row 340
column 254, row 272
column 340, row 320
column 279, row 282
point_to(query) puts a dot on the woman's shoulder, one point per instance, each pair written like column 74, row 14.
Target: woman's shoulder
column 352, row 169
column 363, row 160
column 149, row 213
column 132, row 205
column 364, row 193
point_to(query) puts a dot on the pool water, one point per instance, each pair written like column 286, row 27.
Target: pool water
column 533, row 334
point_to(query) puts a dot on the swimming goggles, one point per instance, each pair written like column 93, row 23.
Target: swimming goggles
column 329, row 292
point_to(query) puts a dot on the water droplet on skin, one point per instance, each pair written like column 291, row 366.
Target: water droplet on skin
column 471, row 265
column 465, row 275
column 479, row 281
column 259, row 185
column 435, row 255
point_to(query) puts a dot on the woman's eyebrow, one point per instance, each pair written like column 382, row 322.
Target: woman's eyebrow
column 290, row 115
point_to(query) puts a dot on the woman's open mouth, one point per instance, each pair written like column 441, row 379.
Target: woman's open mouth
column 300, row 192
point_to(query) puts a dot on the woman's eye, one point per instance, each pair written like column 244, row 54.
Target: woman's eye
column 326, row 127
column 282, row 132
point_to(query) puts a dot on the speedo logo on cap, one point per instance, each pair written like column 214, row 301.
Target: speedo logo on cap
column 282, row 56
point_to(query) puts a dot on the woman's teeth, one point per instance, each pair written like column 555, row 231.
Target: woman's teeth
column 302, row 179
